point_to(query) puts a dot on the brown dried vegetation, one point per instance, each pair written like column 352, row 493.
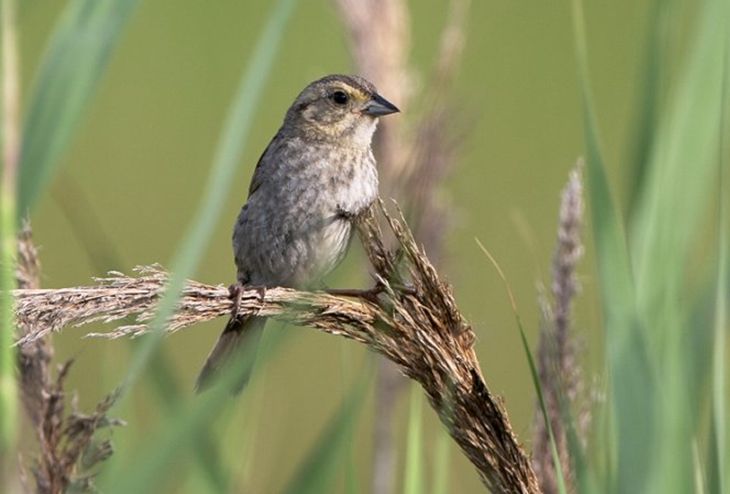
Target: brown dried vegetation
column 420, row 329
column 67, row 448
column 559, row 371
column 414, row 158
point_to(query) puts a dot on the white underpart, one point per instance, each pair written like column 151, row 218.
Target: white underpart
column 353, row 197
column 364, row 131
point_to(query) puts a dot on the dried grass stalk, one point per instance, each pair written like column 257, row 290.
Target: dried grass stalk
column 420, row 329
column 68, row 450
column 559, row 372
column 414, row 163
column 379, row 35
column 33, row 360
column 434, row 146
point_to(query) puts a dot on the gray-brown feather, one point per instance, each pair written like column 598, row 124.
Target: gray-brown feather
column 296, row 225
column 314, row 177
column 238, row 334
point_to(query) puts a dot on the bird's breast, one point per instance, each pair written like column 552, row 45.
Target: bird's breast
column 296, row 227
column 357, row 184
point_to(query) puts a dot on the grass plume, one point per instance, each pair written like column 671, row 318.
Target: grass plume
column 414, row 162
column 558, row 370
column 420, row 329
column 67, row 443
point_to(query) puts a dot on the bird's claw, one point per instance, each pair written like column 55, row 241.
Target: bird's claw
column 235, row 292
column 345, row 214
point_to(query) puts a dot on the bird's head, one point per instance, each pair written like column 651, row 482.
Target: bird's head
column 338, row 107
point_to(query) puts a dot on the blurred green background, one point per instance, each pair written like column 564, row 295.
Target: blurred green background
column 135, row 172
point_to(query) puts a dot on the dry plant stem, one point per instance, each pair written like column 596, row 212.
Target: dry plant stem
column 415, row 163
column 33, row 359
column 422, row 331
column 63, row 438
column 559, row 372
column 434, row 346
column 379, row 35
column 380, row 52
column 434, row 144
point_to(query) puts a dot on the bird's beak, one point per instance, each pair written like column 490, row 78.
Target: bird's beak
column 379, row 106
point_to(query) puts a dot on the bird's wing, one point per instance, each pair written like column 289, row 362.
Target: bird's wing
column 259, row 171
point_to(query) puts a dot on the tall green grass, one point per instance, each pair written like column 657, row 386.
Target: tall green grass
column 655, row 407
column 653, row 427
column 228, row 152
column 632, row 379
column 179, row 433
column 559, row 473
column 414, row 469
column 319, row 467
column 104, row 256
column 76, row 57
column 74, row 63
column 442, row 463
column 8, row 244
column 77, row 54
column 721, row 454
column 192, row 419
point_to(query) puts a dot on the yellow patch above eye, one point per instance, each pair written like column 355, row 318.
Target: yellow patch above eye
column 354, row 93
column 359, row 95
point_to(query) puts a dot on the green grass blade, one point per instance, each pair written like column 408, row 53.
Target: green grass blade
column 76, row 57
column 670, row 211
column 651, row 89
column 632, row 379
column 316, row 473
column 8, row 240
column 103, row 256
column 228, row 153
column 180, row 433
column 533, row 371
column 538, row 388
column 8, row 384
column 414, row 473
column 613, row 258
column 699, row 470
column 584, row 474
column 181, row 429
column 442, row 462
column 212, row 468
column 680, row 173
column 351, row 475
column 719, row 371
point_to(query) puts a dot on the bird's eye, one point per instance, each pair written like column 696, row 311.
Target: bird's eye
column 340, row 97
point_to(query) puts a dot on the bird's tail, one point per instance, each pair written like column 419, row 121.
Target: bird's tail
column 239, row 332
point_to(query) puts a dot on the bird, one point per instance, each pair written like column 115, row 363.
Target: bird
column 317, row 174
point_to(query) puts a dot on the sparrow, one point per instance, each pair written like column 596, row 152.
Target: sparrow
column 314, row 178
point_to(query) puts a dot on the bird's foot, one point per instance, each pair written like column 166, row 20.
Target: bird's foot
column 261, row 291
column 235, row 292
column 344, row 214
